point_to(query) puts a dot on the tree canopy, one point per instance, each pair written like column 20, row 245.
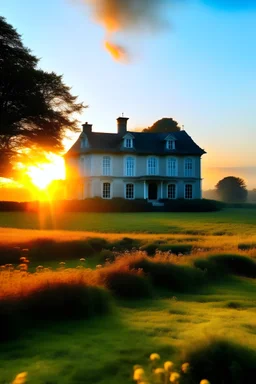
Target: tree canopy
column 36, row 107
column 166, row 124
column 232, row 189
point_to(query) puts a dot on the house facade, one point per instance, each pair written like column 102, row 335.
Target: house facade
column 133, row 165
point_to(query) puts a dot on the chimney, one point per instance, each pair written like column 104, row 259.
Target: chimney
column 87, row 128
column 122, row 124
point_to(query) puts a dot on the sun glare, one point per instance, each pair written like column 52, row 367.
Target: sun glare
column 42, row 174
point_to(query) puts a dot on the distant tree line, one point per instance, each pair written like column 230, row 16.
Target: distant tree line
column 231, row 189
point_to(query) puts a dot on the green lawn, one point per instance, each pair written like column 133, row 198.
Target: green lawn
column 104, row 350
column 228, row 221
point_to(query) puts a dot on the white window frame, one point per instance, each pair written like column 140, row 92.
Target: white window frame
column 156, row 166
column 188, row 172
column 128, row 142
column 170, row 144
column 126, row 168
column 110, row 190
column 125, row 191
column 104, row 173
column 192, row 192
column 175, row 191
column 175, row 173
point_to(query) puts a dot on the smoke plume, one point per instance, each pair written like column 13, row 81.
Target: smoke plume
column 125, row 15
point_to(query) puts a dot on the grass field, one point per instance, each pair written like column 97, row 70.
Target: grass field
column 103, row 349
column 228, row 221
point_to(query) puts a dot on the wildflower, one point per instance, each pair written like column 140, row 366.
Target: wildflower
column 204, row 381
column 185, row 367
column 82, row 259
column 154, row 357
column 168, row 366
column 136, row 366
column 175, row 378
column 21, row 378
column 139, row 374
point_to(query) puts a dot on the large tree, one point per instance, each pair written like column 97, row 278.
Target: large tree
column 232, row 189
column 167, row 124
column 36, row 107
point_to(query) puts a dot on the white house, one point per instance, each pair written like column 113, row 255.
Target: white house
column 133, row 165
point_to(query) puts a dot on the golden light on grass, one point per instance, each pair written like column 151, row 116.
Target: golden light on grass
column 42, row 174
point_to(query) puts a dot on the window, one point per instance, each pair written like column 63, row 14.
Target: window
column 84, row 142
column 171, row 167
column 128, row 143
column 188, row 191
column 171, row 192
column 106, row 166
column 106, row 191
column 152, row 166
column 170, row 144
column 188, row 168
column 129, row 191
column 129, row 166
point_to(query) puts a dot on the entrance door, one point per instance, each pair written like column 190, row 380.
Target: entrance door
column 152, row 191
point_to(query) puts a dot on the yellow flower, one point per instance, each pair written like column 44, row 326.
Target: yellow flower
column 204, row 381
column 154, row 356
column 168, row 366
column 185, row 367
column 139, row 374
column 21, row 378
column 175, row 378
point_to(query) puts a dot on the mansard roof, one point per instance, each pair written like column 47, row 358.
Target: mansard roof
column 144, row 143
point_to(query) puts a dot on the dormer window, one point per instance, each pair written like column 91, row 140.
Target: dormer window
column 170, row 144
column 128, row 142
column 84, row 142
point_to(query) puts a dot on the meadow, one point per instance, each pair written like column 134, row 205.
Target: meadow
column 187, row 294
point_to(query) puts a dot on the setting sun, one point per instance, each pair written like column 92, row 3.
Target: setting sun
column 43, row 174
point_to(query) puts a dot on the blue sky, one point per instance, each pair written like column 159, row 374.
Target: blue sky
column 200, row 71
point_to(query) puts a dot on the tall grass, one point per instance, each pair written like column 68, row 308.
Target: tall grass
column 29, row 299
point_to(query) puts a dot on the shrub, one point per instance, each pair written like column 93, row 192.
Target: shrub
column 211, row 270
column 48, row 249
column 63, row 301
column 9, row 254
column 179, row 278
column 106, row 255
column 150, row 248
column 196, row 205
column 31, row 299
column 125, row 244
column 176, row 248
column 97, row 243
column 221, row 361
column 235, row 264
column 246, row 246
column 125, row 283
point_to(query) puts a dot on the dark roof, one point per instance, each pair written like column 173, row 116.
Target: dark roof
column 144, row 144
